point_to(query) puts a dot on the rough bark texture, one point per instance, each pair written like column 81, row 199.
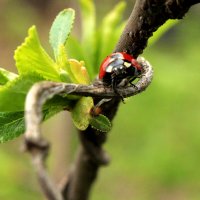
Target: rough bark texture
column 146, row 17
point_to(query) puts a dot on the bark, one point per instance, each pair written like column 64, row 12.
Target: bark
column 147, row 16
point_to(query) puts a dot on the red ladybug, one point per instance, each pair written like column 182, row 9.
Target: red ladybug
column 118, row 66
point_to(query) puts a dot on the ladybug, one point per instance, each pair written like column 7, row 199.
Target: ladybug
column 119, row 66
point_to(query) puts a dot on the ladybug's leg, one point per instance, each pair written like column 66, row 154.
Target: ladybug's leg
column 114, row 84
column 114, row 87
column 132, row 84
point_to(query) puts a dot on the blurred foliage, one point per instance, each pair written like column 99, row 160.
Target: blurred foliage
column 34, row 64
column 95, row 42
column 155, row 141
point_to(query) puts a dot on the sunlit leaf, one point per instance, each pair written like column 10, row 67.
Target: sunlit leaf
column 79, row 72
column 31, row 57
column 61, row 29
column 81, row 112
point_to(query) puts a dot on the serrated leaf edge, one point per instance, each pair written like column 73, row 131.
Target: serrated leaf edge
column 50, row 35
column 100, row 129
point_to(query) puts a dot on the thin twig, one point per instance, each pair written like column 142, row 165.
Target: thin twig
column 42, row 91
column 38, row 147
column 146, row 17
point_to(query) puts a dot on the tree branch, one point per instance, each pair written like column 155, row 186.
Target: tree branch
column 145, row 18
column 91, row 154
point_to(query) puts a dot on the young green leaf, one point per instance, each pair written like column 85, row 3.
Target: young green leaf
column 79, row 72
column 71, row 70
column 31, row 57
column 81, row 112
column 61, row 29
column 101, row 123
column 6, row 76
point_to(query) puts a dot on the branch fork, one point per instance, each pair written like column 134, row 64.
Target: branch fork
column 147, row 17
column 38, row 147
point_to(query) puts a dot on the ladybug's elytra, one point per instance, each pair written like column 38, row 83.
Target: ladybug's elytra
column 119, row 66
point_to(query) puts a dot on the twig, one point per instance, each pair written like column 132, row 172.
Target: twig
column 34, row 143
column 38, row 147
column 146, row 17
column 42, row 91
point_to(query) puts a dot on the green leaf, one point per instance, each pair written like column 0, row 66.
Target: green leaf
column 72, row 70
column 161, row 31
column 81, row 112
column 6, row 76
column 13, row 94
column 109, row 32
column 95, row 43
column 88, row 32
column 12, row 124
column 101, row 123
column 61, row 29
column 78, row 72
column 31, row 57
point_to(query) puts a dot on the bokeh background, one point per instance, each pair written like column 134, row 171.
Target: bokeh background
column 155, row 141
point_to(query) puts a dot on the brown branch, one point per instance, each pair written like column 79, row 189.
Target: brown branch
column 146, row 17
column 91, row 155
column 39, row 150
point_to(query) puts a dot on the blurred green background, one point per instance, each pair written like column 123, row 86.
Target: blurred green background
column 155, row 141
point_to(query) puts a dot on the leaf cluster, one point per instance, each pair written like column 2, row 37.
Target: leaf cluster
column 34, row 64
